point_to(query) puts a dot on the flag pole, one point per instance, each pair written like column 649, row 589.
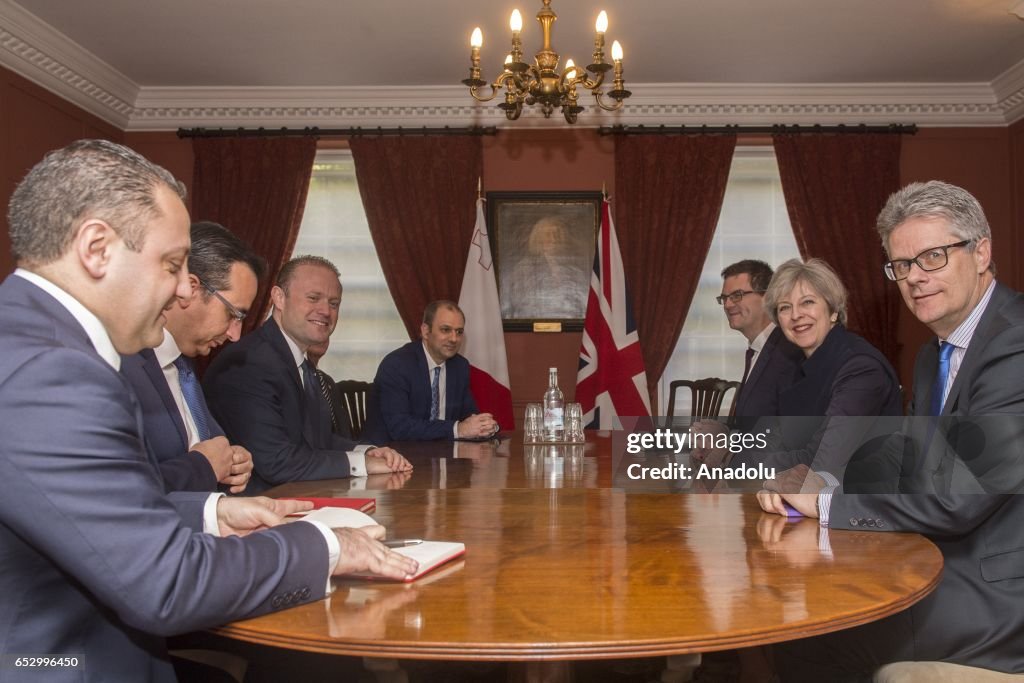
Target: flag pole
column 479, row 185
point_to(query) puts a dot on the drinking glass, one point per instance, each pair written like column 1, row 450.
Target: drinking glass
column 574, row 423
column 533, row 424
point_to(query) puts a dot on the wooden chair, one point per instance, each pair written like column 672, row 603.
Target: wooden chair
column 707, row 396
column 353, row 395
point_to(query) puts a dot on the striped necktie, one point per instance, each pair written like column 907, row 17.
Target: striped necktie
column 325, row 389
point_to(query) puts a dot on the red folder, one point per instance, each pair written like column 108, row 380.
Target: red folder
column 366, row 505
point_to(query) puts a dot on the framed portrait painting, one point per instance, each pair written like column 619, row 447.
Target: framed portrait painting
column 543, row 245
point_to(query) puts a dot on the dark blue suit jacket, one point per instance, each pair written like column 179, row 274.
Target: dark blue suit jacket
column 97, row 561
column 842, row 384
column 166, row 439
column 254, row 391
column 773, row 372
column 399, row 404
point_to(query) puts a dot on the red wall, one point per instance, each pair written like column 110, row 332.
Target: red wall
column 34, row 121
column 980, row 161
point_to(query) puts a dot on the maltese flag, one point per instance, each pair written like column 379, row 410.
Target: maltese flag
column 484, row 342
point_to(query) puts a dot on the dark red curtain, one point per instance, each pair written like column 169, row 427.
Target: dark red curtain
column 835, row 185
column 255, row 187
column 668, row 196
column 419, row 193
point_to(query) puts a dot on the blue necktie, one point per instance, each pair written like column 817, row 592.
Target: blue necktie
column 193, row 395
column 435, row 394
column 939, row 388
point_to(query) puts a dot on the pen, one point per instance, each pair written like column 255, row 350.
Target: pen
column 402, row 542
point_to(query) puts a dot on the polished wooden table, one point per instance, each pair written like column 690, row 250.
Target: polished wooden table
column 563, row 564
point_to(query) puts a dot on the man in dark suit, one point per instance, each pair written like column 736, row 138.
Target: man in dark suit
column 181, row 433
column 264, row 392
column 963, row 466
column 421, row 391
column 98, row 563
column 770, row 358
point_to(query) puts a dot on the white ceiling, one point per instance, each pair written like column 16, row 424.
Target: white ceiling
column 149, row 65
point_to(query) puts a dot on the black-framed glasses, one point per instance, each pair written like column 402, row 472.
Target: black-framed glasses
column 928, row 260
column 234, row 312
column 737, row 296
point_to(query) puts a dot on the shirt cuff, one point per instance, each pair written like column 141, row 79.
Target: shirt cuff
column 825, row 504
column 210, row 524
column 455, row 429
column 333, row 549
column 357, row 461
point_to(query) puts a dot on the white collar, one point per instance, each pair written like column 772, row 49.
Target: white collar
column 168, row 350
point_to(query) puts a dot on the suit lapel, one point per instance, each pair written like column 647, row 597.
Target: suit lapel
column 989, row 326
column 759, row 368
column 156, row 375
column 313, row 426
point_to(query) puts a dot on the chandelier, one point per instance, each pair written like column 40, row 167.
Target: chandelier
column 541, row 82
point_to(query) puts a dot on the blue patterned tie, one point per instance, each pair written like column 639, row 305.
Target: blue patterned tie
column 939, row 388
column 435, row 394
column 193, row 395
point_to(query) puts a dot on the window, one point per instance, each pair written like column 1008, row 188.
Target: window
column 334, row 226
column 754, row 225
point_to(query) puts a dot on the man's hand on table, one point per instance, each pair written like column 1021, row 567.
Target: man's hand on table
column 798, row 486
column 382, row 460
column 242, row 516
column 478, row 426
column 362, row 551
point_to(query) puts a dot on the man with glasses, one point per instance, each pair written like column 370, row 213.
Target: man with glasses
column 956, row 470
column 181, row 433
column 770, row 357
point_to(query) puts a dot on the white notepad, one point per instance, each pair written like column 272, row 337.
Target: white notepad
column 429, row 554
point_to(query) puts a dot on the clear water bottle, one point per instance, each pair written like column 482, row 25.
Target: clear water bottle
column 554, row 404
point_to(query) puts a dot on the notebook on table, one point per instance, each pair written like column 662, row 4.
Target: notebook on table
column 429, row 554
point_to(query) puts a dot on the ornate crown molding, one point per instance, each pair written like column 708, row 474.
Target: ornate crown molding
column 43, row 55
column 35, row 50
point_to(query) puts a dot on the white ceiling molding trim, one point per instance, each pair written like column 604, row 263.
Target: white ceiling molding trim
column 33, row 49
column 48, row 58
column 971, row 104
column 1008, row 88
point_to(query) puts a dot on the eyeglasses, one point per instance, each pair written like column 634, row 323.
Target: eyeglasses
column 737, row 296
column 928, row 260
column 235, row 313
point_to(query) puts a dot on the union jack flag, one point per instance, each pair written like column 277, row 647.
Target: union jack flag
column 611, row 381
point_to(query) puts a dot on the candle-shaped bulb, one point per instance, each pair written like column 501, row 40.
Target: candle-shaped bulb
column 508, row 60
column 477, row 39
column 616, row 51
column 570, row 69
column 515, row 22
column 602, row 22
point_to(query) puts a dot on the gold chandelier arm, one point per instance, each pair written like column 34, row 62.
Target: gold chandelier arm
column 484, row 98
column 600, row 102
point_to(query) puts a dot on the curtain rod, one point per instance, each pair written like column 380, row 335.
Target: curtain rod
column 322, row 132
column 892, row 128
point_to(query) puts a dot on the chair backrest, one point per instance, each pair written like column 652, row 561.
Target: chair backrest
column 353, row 394
column 707, row 396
